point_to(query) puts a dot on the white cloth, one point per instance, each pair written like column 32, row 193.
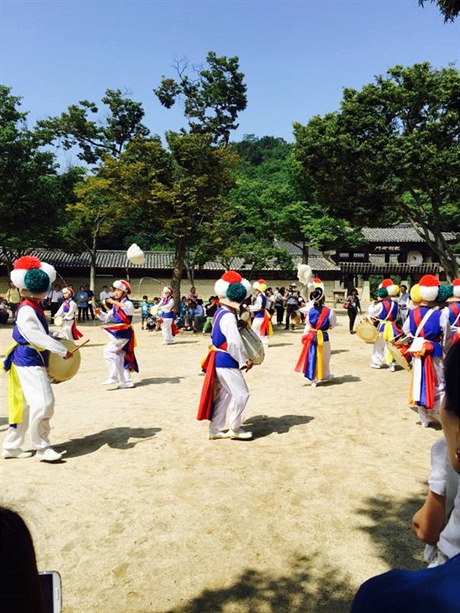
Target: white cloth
column 256, row 326
column 114, row 355
column 31, row 329
column 166, row 330
column 444, row 481
column 232, row 398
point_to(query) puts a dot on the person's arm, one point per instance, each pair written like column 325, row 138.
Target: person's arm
column 446, row 331
column 33, row 331
column 430, row 520
column 60, row 311
column 235, row 345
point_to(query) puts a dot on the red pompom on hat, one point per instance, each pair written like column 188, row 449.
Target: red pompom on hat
column 316, row 280
column 27, row 262
column 390, row 286
column 429, row 285
column 231, row 276
column 456, row 288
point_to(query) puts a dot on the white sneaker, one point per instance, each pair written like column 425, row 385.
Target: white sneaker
column 215, row 435
column 392, row 368
column 375, row 365
column 109, row 382
column 240, row 434
column 16, row 453
column 125, row 385
column 49, row 455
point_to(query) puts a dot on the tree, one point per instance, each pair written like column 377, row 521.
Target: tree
column 180, row 189
column 93, row 215
column 213, row 97
column 96, row 140
column 449, row 8
column 392, row 153
column 32, row 194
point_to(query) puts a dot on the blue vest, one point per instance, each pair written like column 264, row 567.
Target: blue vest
column 432, row 330
column 223, row 359
column 261, row 312
column 24, row 355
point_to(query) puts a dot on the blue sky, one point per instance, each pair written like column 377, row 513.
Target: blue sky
column 297, row 55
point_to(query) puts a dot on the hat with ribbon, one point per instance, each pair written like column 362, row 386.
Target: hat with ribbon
column 68, row 290
column 232, row 289
column 31, row 276
column 456, row 288
column 316, row 282
column 122, row 285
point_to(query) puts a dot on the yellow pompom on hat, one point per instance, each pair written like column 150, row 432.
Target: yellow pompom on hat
column 260, row 285
column 415, row 293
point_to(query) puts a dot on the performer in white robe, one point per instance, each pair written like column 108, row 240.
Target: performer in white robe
column 225, row 393
column 166, row 312
column 67, row 311
column 30, row 397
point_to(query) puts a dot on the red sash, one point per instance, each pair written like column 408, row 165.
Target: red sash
column 425, row 355
column 307, row 339
column 206, row 405
column 76, row 334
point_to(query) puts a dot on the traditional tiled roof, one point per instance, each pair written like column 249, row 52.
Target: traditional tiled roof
column 402, row 233
column 392, row 268
column 154, row 260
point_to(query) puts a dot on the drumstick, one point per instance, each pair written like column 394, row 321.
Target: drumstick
column 80, row 346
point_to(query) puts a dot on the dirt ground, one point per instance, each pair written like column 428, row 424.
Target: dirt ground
column 145, row 514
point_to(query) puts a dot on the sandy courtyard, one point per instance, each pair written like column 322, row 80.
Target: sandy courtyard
column 147, row 515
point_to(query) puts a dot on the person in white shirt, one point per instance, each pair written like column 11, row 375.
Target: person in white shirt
column 67, row 311
column 55, row 298
column 166, row 312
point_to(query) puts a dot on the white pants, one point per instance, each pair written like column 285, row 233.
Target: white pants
column 232, row 398
column 167, row 331
column 378, row 351
column 256, row 325
column 66, row 330
column 38, row 409
column 115, row 357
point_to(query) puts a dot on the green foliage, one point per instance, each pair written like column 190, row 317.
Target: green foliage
column 95, row 139
column 391, row 154
column 212, row 97
column 32, row 194
column 449, row 8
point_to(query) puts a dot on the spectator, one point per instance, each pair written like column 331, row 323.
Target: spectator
column 55, row 298
column 353, row 306
column 429, row 589
column 20, row 584
column 3, row 312
column 82, row 303
column 103, row 297
column 145, row 313
column 13, row 298
column 210, row 310
column 292, row 304
column 90, row 293
column 198, row 316
column 403, row 302
column 193, row 296
column 279, row 305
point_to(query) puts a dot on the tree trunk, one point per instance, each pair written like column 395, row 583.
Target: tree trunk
column 92, row 269
column 178, row 270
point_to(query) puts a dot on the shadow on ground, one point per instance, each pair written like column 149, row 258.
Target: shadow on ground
column 117, row 438
column 310, row 586
column 263, row 425
column 158, row 380
column 391, row 530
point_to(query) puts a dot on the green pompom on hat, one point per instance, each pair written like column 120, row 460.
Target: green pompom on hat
column 37, row 281
column 236, row 292
column 382, row 292
column 445, row 292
